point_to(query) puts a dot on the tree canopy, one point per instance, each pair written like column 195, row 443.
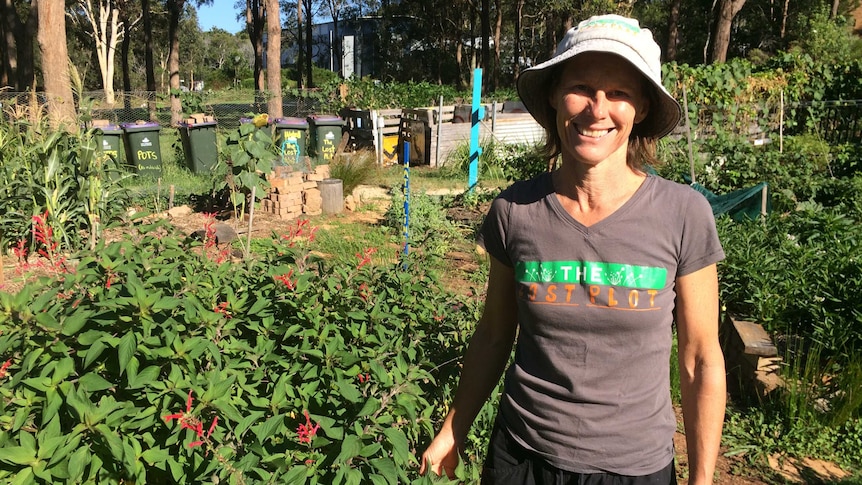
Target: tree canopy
column 437, row 41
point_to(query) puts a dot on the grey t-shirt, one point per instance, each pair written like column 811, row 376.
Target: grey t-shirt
column 589, row 389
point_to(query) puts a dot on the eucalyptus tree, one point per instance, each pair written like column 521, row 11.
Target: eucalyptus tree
column 18, row 26
column 130, row 16
column 176, row 8
column 149, row 64
column 106, row 28
column 255, row 22
column 727, row 10
column 273, row 57
column 55, row 64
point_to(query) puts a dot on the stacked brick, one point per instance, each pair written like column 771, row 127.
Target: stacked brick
column 293, row 194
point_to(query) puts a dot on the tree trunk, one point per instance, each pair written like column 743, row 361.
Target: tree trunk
column 104, row 26
column 55, row 64
column 485, row 22
column 254, row 25
column 299, row 52
column 124, row 64
column 308, row 40
column 149, row 65
column 336, row 47
column 125, row 7
column 9, row 23
column 727, row 11
column 273, row 58
column 516, row 64
column 835, row 5
column 784, row 15
column 673, row 31
column 175, row 9
column 498, row 34
column 18, row 49
column 384, row 39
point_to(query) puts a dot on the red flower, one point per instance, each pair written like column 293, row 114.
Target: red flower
column 364, row 292
column 110, row 280
column 3, row 368
column 210, row 233
column 285, row 278
column 20, row 251
column 212, row 426
column 363, row 378
column 189, row 421
column 305, row 431
column 181, row 416
column 365, row 257
column 222, row 308
column 297, row 231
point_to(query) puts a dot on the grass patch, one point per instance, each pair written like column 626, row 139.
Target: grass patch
column 342, row 241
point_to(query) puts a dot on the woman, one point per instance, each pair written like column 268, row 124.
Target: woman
column 590, row 266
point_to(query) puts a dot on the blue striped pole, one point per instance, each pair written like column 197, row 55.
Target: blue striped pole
column 478, row 113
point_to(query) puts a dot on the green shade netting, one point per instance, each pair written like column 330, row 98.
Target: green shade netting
column 739, row 204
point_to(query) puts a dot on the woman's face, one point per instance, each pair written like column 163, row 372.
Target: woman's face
column 599, row 98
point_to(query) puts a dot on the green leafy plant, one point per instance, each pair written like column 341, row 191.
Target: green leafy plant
column 156, row 362
column 65, row 177
column 251, row 154
column 353, row 169
column 428, row 228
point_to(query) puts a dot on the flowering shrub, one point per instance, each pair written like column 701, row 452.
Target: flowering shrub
column 281, row 369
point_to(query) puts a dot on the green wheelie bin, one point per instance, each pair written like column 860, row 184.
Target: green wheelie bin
column 326, row 136
column 143, row 149
column 291, row 137
column 200, row 146
column 110, row 142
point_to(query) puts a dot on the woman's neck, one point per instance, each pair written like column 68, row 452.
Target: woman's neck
column 590, row 193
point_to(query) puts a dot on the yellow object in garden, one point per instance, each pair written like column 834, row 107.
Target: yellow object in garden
column 390, row 149
column 260, row 120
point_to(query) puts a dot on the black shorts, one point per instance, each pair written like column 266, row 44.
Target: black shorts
column 509, row 463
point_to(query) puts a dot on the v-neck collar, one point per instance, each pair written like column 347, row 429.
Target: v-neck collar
column 561, row 212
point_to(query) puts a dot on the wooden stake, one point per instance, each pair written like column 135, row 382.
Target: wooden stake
column 171, row 197
column 250, row 221
column 688, row 132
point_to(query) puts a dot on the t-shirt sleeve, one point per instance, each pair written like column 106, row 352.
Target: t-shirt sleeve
column 700, row 244
column 492, row 235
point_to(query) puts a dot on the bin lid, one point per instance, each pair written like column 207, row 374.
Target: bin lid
column 327, row 120
column 290, row 121
column 147, row 125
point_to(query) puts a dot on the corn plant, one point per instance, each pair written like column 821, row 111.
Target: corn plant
column 58, row 176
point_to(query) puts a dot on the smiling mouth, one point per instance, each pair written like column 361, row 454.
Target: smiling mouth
column 593, row 133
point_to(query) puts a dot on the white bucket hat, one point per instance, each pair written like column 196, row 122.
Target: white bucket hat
column 615, row 35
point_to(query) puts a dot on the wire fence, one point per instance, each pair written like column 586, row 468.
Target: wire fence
column 129, row 107
column 835, row 121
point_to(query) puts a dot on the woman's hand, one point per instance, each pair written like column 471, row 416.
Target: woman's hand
column 441, row 457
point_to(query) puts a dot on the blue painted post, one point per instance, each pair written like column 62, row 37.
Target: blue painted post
column 478, row 113
column 406, row 199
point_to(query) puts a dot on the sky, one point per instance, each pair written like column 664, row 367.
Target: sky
column 221, row 14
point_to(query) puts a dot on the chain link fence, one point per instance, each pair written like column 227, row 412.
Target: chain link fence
column 834, row 121
column 132, row 106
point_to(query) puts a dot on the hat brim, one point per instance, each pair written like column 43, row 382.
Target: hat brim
column 534, row 86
